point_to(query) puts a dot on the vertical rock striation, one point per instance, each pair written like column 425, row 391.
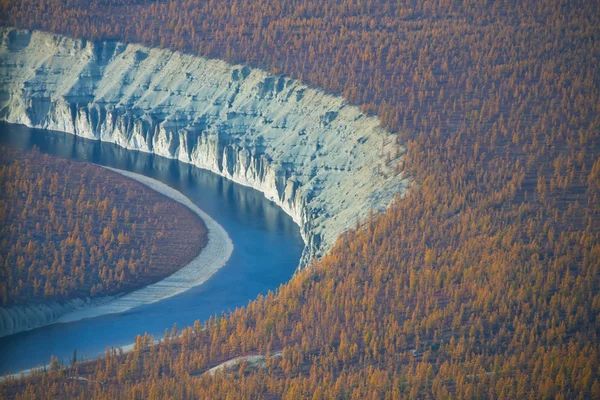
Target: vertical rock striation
column 320, row 160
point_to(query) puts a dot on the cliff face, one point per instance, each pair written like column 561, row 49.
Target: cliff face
column 321, row 160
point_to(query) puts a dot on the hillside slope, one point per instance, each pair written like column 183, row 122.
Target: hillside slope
column 489, row 268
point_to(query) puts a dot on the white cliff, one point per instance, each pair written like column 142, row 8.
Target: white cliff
column 321, row 160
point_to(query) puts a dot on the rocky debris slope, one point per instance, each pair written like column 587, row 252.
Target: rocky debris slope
column 323, row 161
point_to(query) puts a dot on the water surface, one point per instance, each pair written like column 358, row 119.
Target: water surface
column 267, row 248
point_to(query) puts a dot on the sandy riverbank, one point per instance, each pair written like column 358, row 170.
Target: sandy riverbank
column 199, row 270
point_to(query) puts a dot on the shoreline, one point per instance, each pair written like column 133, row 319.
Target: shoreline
column 33, row 370
column 210, row 259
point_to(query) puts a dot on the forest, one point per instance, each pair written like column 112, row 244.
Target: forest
column 483, row 282
column 72, row 229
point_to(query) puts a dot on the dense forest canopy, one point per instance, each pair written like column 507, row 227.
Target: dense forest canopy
column 489, row 268
column 72, row 229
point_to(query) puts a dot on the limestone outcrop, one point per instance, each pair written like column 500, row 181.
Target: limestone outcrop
column 321, row 160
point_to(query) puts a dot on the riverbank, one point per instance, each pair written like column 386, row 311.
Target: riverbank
column 210, row 260
column 199, row 270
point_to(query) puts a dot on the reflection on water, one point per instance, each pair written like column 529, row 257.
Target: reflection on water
column 267, row 249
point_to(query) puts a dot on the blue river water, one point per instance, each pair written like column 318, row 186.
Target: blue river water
column 267, row 248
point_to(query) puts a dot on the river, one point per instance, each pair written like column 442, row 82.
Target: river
column 267, row 248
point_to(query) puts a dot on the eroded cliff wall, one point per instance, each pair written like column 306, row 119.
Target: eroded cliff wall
column 323, row 161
